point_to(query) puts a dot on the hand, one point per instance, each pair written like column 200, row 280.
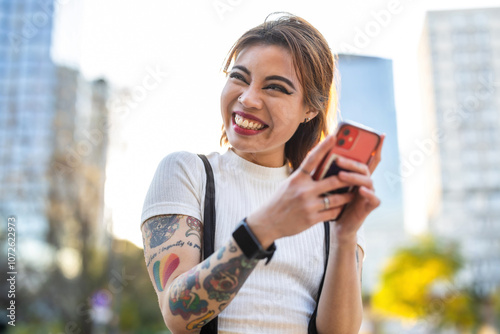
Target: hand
column 378, row 155
column 365, row 200
column 299, row 203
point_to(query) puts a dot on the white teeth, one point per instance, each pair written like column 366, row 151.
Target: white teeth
column 246, row 124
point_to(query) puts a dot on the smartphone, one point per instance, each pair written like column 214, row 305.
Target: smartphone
column 354, row 141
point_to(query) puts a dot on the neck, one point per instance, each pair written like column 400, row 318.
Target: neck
column 263, row 159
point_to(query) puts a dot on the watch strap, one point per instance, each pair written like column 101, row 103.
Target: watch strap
column 250, row 245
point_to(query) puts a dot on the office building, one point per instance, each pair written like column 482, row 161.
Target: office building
column 27, row 84
column 53, row 143
column 367, row 97
column 460, row 59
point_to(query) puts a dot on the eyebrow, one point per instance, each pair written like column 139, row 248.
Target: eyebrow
column 271, row 77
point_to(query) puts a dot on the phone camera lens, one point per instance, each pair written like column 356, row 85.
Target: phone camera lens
column 346, row 132
column 341, row 142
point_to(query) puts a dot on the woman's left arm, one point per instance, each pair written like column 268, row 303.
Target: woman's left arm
column 340, row 308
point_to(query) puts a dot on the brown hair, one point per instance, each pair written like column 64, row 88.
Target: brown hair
column 315, row 67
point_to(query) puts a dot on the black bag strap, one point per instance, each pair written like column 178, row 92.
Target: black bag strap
column 209, row 244
column 312, row 322
column 209, row 213
column 209, row 229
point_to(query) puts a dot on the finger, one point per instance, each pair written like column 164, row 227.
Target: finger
column 356, row 179
column 378, row 155
column 369, row 194
column 352, row 165
column 314, row 157
column 328, row 215
column 329, row 184
column 330, row 202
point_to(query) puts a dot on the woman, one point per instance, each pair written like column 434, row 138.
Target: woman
column 274, row 107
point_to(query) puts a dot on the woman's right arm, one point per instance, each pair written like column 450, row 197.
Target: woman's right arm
column 190, row 292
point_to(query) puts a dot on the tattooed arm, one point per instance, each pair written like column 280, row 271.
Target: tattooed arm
column 190, row 292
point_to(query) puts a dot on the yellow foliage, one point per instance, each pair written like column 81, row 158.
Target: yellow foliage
column 408, row 279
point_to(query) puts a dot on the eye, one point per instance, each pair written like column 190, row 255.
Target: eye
column 278, row 88
column 237, row 76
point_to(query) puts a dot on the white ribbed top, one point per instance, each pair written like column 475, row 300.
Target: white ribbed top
column 277, row 298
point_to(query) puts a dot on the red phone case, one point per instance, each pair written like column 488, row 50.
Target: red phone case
column 354, row 141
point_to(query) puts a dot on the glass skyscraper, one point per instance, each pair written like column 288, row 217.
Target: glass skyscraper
column 460, row 53
column 367, row 97
column 27, row 81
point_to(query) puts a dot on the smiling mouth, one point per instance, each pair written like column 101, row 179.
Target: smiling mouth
column 248, row 124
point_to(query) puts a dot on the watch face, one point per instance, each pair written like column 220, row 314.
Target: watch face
column 245, row 240
column 250, row 245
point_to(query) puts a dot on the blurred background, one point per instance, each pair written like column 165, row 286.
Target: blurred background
column 94, row 93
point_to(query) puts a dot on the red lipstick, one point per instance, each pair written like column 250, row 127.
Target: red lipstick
column 247, row 132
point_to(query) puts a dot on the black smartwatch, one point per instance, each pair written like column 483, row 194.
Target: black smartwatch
column 250, row 245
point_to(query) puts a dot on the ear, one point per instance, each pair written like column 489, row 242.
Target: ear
column 311, row 113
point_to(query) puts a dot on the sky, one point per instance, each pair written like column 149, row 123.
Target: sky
column 170, row 53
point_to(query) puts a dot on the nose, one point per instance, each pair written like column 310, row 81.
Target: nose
column 250, row 98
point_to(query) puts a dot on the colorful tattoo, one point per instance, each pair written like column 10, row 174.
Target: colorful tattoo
column 185, row 302
column 227, row 278
column 194, row 227
column 200, row 322
column 163, row 269
column 151, row 258
column 221, row 252
column 160, row 229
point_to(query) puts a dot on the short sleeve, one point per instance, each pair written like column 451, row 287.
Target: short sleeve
column 177, row 187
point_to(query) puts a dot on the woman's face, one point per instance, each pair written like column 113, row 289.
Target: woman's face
column 262, row 104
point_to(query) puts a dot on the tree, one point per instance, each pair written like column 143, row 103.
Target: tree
column 420, row 282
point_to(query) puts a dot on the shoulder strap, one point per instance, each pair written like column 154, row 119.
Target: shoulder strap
column 312, row 322
column 209, row 229
column 209, row 211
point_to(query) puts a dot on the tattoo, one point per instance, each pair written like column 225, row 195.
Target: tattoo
column 194, row 227
column 232, row 247
column 357, row 259
column 151, row 258
column 160, row 229
column 163, row 269
column 200, row 322
column 193, row 245
column 144, row 244
column 206, row 264
column 227, row 278
column 183, row 301
column 221, row 252
column 357, row 266
column 179, row 243
column 222, row 306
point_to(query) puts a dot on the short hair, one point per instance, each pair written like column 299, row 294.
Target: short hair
column 315, row 66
